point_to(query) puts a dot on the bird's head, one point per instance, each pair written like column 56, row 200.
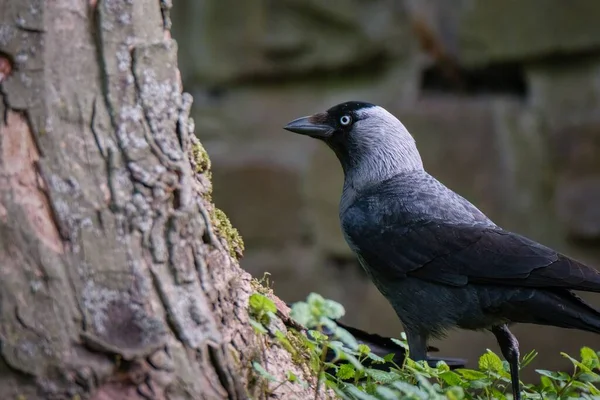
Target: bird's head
column 371, row 144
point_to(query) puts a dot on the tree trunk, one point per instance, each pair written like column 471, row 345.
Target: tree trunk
column 118, row 278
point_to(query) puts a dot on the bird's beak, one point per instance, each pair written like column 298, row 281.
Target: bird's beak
column 308, row 126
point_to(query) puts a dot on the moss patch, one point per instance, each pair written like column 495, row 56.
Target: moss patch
column 262, row 285
column 220, row 222
column 223, row 226
column 201, row 158
column 301, row 356
column 201, row 165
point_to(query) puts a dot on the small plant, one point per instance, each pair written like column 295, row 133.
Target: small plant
column 560, row 385
column 344, row 365
column 262, row 311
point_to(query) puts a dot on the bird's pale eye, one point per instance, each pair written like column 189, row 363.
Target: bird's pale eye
column 345, row 120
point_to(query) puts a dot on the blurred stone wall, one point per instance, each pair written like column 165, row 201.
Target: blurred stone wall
column 502, row 96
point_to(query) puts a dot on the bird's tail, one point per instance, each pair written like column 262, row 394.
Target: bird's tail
column 561, row 308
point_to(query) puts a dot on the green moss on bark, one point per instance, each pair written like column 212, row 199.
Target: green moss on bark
column 231, row 235
column 202, row 165
column 200, row 158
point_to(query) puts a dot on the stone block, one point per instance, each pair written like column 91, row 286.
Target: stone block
column 323, row 187
column 263, row 201
column 565, row 93
column 294, row 269
column 576, row 151
column 510, row 30
column 577, row 203
column 245, row 114
column 232, row 40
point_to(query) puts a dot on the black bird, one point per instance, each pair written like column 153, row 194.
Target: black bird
column 438, row 260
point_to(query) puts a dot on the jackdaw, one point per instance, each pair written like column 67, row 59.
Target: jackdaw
column 439, row 260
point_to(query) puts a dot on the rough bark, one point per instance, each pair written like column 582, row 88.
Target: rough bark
column 114, row 282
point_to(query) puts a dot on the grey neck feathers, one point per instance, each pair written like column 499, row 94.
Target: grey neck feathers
column 381, row 148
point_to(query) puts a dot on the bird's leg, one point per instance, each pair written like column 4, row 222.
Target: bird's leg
column 417, row 345
column 510, row 350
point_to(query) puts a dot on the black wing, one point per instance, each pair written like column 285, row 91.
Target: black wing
column 457, row 255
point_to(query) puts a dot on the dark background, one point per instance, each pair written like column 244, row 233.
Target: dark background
column 502, row 96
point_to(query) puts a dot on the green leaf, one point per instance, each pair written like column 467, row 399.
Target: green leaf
column 451, row 378
column 331, row 384
column 442, row 366
column 589, row 358
column 320, row 307
column 381, row 376
column 497, row 395
column 593, row 389
column 346, row 371
column 589, row 377
column 263, row 372
column 328, row 323
column 271, row 315
column 386, row 393
column 425, row 384
column 552, row 375
column 490, row 362
column 418, row 368
column 528, row 358
column 363, row 349
column 259, row 302
column 258, row 327
column 389, row 357
column 480, row 383
column 470, row 374
column 455, row 393
column 375, row 358
column 291, row 376
column 354, row 361
column 402, row 343
column 575, row 362
column 409, row 389
column 346, row 337
column 333, row 310
column 317, row 336
column 579, row 385
column 315, row 362
column 371, row 387
column 340, row 349
column 315, row 299
column 317, row 311
column 359, row 394
column 301, row 314
column 546, row 382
